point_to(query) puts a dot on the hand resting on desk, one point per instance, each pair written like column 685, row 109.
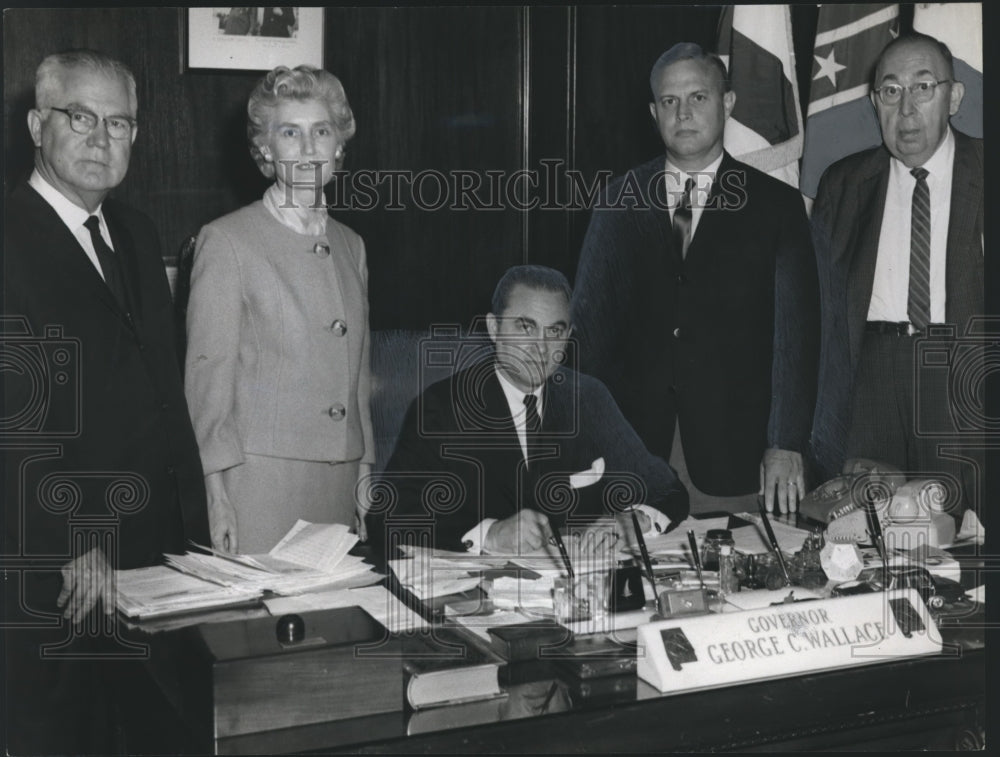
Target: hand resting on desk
column 85, row 580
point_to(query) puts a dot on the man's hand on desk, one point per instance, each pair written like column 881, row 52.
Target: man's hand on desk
column 782, row 469
column 86, row 579
column 221, row 514
column 524, row 532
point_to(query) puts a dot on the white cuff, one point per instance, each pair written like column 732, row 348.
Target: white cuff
column 474, row 538
column 658, row 522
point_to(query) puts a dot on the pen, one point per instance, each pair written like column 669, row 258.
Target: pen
column 548, row 697
column 875, row 529
column 642, row 548
column 557, row 540
column 696, row 557
column 771, row 538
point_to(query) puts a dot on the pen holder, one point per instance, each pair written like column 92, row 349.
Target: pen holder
column 627, row 592
column 582, row 597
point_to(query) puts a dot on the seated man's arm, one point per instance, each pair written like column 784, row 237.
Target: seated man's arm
column 626, row 458
column 421, row 490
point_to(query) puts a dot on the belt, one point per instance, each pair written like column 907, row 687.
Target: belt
column 890, row 327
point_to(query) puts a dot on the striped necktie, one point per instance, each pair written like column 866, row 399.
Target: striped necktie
column 682, row 220
column 919, row 304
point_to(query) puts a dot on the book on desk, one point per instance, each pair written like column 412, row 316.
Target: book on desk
column 441, row 669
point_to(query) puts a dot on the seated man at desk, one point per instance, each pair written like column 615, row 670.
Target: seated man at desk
column 493, row 457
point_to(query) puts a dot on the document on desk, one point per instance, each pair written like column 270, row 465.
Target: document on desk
column 429, row 579
column 375, row 600
column 752, row 540
column 676, row 542
column 158, row 590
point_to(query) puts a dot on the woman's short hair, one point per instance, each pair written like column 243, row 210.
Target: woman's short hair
column 300, row 83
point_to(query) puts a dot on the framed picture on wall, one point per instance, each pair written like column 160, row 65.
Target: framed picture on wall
column 252, row 38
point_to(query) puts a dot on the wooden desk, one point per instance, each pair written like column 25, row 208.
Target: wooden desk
column 921, row 703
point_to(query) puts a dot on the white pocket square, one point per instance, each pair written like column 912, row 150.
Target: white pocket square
column 588, row 477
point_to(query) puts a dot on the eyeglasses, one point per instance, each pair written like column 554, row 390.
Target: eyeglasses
column 921, row 91
column 84, row 122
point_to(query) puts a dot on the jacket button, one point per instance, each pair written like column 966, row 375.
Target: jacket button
column 336, row 411
column 681, row 278
column 677, row 333
column 338, row 327
column 170, row 470
column 164, row 406
column 321, row 249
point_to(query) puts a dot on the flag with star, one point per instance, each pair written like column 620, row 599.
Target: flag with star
column 840, row 118
column 960, row 26
column 765, row 128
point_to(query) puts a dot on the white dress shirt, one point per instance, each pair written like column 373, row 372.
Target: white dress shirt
column 518, row 412
column 73, row 216
column 891, row 287
column 675, row 180
column 475, row 537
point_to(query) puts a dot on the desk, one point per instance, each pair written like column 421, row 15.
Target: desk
column 935, row 702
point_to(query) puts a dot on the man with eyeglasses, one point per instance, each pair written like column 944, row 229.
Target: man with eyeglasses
column 103, row 470
column 898, row 231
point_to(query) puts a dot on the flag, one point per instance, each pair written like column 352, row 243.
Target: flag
column 960, row 26
column 765, row 127
column 841, row 119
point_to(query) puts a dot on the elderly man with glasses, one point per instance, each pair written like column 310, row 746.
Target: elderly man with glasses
column 103, row 470
column 898, row 232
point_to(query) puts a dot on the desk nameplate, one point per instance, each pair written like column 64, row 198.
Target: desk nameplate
column 707, row 651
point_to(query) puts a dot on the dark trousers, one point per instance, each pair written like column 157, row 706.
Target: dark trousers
column 87, row 693
column 918, row 405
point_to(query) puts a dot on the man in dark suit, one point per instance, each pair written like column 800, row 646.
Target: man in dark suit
column 899, row 242
column 488, row 458
column 102, row 468
column 696, row 301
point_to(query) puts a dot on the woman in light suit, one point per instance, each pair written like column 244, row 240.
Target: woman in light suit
column 277, row 370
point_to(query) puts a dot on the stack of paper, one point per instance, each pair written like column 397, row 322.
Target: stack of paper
column 311, row 556
column 157, row 591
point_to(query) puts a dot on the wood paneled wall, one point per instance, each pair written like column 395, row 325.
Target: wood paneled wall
column 444, row 89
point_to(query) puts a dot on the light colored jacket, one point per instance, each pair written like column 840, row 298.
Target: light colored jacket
column 278, row 343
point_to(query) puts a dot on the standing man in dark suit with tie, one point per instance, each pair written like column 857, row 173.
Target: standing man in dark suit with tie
column 696, row 301
column 505, row 435
column 102, row 468
column 899, row 242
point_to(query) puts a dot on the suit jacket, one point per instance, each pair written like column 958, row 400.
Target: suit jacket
column 847, row 221
column 458, row 459
column 724, row 341
column 95, row 414
column 278, row 344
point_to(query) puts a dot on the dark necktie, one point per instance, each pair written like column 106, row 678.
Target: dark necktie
column 108, row 260
column 532, row 422
column 682, row 220
column 919, row 303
